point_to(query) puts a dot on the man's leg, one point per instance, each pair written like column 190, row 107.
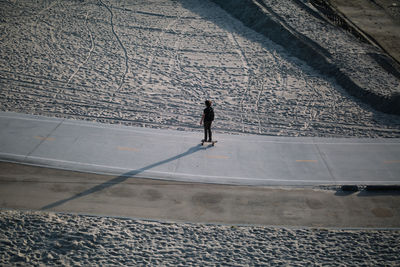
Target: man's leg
column 205, row 131
column 209, row 131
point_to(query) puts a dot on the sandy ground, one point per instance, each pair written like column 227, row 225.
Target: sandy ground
column 31, row 238
column 153, row 63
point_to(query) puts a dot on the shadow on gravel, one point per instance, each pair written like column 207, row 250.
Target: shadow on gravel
column 380, row 190
column 123, row 177
column 369, row 190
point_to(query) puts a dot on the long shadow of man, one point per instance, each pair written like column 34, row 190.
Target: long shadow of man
column 122, row 178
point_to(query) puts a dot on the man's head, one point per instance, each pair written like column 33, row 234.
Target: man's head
column 208, row 103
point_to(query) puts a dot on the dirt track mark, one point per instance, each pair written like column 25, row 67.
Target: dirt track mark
column 36, row 22
column 247, row 75
column 154, row 47
column 90, row 51
column 120, row 43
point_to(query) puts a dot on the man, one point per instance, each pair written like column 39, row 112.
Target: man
column 207, row 118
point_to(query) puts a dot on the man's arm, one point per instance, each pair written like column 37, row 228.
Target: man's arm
column 202, row 119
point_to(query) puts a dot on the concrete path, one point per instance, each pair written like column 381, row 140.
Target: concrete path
column 173, row 155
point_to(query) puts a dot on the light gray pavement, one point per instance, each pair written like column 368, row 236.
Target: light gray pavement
column 175, row 155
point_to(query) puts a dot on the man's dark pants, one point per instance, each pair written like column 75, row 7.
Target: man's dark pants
column 207, row 130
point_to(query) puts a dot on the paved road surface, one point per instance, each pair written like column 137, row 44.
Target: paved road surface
column 174, row 155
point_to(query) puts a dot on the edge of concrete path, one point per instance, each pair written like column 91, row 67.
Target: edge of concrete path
column 33, row 188
column 355, row 187
column 234, row 181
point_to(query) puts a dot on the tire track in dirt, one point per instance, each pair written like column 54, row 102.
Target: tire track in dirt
column 252, row 81
column 158, row 44
column 36, row 22
column 122, row 47
column 247, row 70
column 174, row 52
column 261, row 91
column 89, row 54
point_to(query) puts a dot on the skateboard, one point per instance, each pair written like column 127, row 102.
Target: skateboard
column 212, row 143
